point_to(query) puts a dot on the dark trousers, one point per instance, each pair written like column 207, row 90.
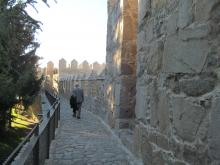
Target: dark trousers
column 74, row 111
column 78, row 109
column 73, row 104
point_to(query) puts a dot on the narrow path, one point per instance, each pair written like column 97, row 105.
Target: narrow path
column 85, row 141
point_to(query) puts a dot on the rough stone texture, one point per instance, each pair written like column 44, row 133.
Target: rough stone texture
column 187, row 117
column 177, row 96
column 121, row 61
column 214, row 135
column 183, row 56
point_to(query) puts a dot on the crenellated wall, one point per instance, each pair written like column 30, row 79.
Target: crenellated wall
column 93, row 87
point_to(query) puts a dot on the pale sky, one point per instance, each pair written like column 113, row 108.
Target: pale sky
column 72, row 29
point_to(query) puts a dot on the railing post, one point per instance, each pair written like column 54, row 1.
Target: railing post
column 48, row 114
column 36, row 152
column 48, row 134
column 56, row 116
column 54, row 121
column 36, row 133
column 59, row 111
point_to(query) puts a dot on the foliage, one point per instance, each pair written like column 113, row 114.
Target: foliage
column 18, row 61
column 9, row 141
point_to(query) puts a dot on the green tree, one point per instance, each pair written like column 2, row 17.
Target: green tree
column 18, row 61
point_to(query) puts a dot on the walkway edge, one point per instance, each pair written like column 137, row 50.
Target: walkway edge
column 135, row 160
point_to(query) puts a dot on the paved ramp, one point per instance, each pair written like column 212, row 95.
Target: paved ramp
column 85, row 141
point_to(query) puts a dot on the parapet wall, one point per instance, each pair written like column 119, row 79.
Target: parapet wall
column 178, row 93
column 93, row 87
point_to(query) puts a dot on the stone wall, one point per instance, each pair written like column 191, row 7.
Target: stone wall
column 121, row 62
column 93, row 87
column 178, row 70
column 161, row 88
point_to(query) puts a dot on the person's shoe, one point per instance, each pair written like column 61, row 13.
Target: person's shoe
column 78, row 117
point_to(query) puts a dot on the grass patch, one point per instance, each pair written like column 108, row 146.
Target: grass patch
column 21, row 124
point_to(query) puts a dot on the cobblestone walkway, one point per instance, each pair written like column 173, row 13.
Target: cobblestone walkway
column 85, row 141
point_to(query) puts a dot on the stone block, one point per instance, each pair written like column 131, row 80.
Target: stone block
column 215, row 14
column 129, row 51
column 146, row 150
column 157, row 107
column 146, row 145
column 128, row 68
column 127, row 96
column 197, row 86
column 157, row 158
column 215, row 162
column 204, row 8
column 155, row 57
column 130, row 19
column 122, row 123
column 184, row 56
column 189, row 154
column 158, row 4
column 111, row 119
column 126, row 136
column 185, row 16
column 117, row 94
column 196, row 154
column 171, row 24
column 141, row 103
column 142, row 146
column 145, row 35
column 195, row 31
column 214, row 133
column 176, row 148
column 152, row 136
column 153, row 103
column 130, row 32
column 144, row 9
column 187, row 117
column 137, row 141
column 163, row 112
column 179, row 163
column 163, row 142
column 202, row 133
column 141, row 39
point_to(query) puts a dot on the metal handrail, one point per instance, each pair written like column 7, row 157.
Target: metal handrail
column 34, row 131
column 18, row 148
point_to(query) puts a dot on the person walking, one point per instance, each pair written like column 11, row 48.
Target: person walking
column 73, row 104
column 79, row 95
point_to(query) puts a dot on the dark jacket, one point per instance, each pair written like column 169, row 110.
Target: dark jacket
column 73, row 103
column 78, row 93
